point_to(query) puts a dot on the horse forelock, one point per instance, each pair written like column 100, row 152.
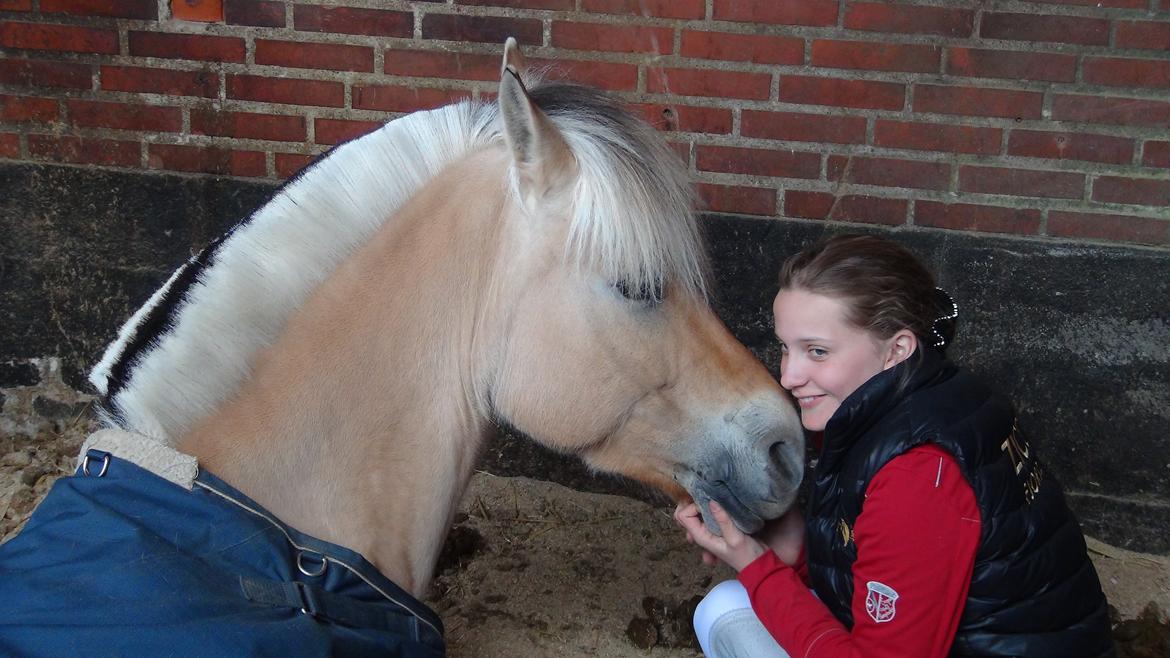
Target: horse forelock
column 633, row 202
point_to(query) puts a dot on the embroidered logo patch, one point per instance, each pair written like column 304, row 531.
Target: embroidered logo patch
column 879, row 601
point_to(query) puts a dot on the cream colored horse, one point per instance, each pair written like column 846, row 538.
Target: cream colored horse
column 341, row 356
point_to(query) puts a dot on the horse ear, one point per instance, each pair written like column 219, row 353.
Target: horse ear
column 542, row 157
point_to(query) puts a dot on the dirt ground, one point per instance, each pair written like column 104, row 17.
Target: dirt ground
column 536, row 569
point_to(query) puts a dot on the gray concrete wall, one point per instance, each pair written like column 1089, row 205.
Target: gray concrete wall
column 1078, row 334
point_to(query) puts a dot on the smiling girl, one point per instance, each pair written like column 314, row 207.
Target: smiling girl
column 932, row 528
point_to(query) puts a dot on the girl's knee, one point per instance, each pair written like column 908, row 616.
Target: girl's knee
column 728, row 596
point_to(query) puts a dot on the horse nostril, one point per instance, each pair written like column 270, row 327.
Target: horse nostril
column 778, row 460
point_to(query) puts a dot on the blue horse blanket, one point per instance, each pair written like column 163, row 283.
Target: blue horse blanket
column 118, row 561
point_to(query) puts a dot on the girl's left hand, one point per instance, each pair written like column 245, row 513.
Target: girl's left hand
column 734, row 548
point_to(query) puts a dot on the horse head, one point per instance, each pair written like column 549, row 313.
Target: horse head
column 611, row 350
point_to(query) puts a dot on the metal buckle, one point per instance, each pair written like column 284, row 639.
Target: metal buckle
column 311, row 574
column 309, row 604
column 105, row 463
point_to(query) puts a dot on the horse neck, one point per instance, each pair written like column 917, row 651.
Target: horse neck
column 362, row 423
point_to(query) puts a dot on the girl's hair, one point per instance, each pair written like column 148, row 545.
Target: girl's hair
column 884, row 287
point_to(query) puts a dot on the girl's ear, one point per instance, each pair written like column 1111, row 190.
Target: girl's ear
column 901, row 346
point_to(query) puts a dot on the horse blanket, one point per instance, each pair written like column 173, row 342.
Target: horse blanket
column 120, row 560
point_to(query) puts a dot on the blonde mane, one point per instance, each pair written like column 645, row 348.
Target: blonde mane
column 192, row 344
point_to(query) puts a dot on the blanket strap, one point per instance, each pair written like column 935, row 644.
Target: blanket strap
column 335, row 608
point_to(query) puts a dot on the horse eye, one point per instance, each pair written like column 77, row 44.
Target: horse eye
column 642, row 293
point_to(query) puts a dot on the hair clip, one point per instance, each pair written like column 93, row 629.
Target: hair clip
column 953, row 315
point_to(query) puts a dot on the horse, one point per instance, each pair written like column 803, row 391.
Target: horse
column 331, row 367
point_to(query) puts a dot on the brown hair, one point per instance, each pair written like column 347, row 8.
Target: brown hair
column 885, row 287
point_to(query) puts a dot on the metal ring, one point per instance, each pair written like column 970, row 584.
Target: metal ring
column 312, row 574
column 105, row 465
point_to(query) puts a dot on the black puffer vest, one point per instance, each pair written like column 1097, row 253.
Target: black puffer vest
column 1034, row 591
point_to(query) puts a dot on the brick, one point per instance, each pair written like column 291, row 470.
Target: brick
column 562, row 5
column 613, row 38
column 737, row 199
column 1118, row 72
column 1138, row 191
column 62, row 38
column 18, row 109
column 160, row 81
column 862, row 55
column 1144, row 35
column 484, row 29
column 1012, row 65
column 779, row 12
column 124, row 116
column 847, row 208
column 947, row 138
column 328, row 56
column 974, row 217
column 757, row 48
column 909, row 19
column 186, row 46
column 207, row 160
column 248, row 125
column 1111, row 110
column 800, row 127
column 139, row 9
column 686, row 118
column 836, row 92
column 704, row 82
column 83, row 150
column 431, row 64
column 351, row 20
column 254, row 13
column 604, row 75
column 33, row 73
column 1045, row 27
column 9, row 145
column 758, row 162
column 15, row 5
column 286, row 90
column 890, row 172
column 978, row 101
column 1022, row 182
column 394, row 98
column 1156, row 154
column 1113, row 228
column 289, row 164
column 692, row 9
column 809, row 205
column 1070, row 146
column 336, row 131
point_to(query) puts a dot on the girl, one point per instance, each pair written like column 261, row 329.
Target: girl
column 932, row 529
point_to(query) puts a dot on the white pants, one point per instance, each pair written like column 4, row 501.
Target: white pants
column 728, row 627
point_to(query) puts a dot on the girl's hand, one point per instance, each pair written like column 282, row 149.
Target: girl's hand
column 734, row 548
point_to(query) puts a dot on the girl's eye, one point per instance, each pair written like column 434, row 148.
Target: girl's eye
column 646, row 294
column 818, row 352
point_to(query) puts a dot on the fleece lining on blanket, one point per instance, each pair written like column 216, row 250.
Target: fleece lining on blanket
column 127, row 561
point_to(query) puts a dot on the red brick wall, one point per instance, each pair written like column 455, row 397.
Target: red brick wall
column 1049, row 117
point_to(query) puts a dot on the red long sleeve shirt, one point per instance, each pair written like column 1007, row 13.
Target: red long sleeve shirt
column 916, row 536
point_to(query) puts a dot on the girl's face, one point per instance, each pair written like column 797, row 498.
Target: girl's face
column 824, row 358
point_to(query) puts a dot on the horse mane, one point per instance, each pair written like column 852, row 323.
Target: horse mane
column 192, row 344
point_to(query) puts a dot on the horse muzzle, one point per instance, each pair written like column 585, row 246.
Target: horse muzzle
column 752, row 466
